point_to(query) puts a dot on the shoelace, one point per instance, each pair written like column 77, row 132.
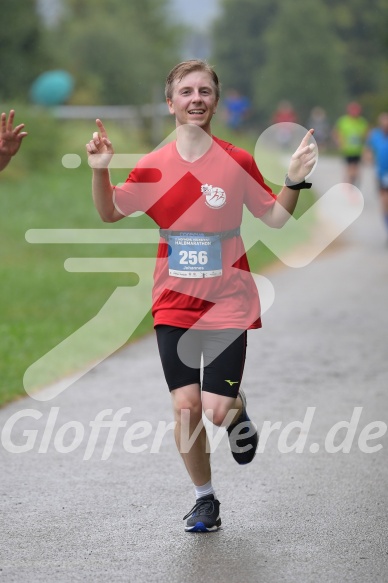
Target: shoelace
column 208, row 507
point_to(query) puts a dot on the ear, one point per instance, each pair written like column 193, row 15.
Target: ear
column 170, row 105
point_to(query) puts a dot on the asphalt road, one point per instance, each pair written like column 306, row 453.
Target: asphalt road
column 317, row 515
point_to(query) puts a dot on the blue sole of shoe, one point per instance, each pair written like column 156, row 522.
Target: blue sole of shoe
column 200, row 527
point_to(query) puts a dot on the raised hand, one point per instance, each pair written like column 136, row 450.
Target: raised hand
column 10, row 137
column 302, row 160
column 99, row 149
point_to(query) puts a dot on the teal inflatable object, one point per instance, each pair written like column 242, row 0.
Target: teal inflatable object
column 52, row 88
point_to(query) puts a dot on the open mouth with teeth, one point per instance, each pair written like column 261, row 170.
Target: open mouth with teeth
column 196, row 111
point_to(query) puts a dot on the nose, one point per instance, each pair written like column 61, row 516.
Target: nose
column 197, row 96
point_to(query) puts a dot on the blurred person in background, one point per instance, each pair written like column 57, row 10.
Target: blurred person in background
column 237, row 108
column 10, row 138
column 283, row 117
column 318, row 120
column 204, row 297
column 377, row 150
column 349, row 134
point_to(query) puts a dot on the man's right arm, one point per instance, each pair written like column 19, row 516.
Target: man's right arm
column 100, row 152
column 102, row 191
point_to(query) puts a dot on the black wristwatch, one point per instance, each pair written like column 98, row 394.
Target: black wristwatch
column 296, row 185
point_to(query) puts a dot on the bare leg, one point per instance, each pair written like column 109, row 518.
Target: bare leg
column 190, row 433
column 353, row 172
column 222, row 411
column 384, row 200
column 226, row 411
column 384, row 205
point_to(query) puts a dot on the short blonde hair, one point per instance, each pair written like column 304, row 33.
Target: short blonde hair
column 186, row 67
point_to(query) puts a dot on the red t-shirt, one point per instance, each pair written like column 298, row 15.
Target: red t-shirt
column 202, row 196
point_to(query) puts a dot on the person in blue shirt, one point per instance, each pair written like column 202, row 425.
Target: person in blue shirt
column 237, row 108
column 377, row 148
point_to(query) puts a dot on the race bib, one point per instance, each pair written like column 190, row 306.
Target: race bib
column 194, row 255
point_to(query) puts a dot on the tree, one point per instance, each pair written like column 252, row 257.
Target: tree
column 117, row 51
column 304, row 61
column 22, row 55
column 334, row 51
column 239, row 50
column 361, row 28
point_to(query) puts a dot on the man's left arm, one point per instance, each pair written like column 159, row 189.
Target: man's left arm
column 300, row 166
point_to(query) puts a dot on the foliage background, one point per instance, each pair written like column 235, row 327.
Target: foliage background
column 320, row 52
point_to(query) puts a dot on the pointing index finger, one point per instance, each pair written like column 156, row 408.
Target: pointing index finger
column 101, row 128
column 305, row 140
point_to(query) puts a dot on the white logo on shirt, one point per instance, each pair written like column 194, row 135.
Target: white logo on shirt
column 215, row 196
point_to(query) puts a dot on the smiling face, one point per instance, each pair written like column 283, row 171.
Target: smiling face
column 194, row 100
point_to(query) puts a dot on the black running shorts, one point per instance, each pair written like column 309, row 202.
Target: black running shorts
column 352, row 159
column 221, row 353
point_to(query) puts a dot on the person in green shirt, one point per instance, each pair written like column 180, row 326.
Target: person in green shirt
column 349, row 134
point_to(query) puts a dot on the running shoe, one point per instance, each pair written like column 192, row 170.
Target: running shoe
column 243, row 448
column 204, row 515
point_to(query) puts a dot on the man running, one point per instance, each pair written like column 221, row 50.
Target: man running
column 204, row 297
column 377, row 147
column 349, row 134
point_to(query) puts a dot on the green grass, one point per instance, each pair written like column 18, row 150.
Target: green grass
column 42, row 303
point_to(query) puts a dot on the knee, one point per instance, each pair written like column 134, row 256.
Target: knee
column 187, row 407
column 220, row 416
